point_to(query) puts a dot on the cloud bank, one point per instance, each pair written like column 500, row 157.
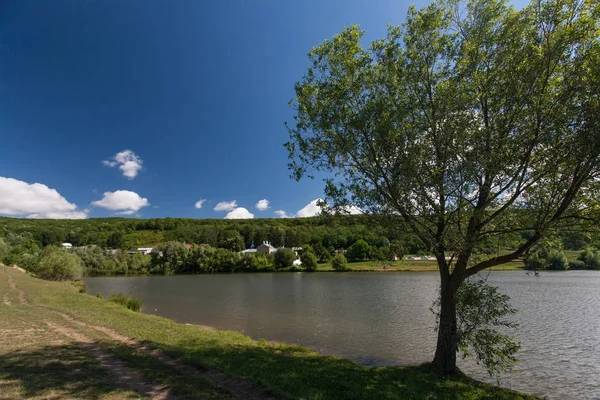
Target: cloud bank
column 35, row 200
column 199, row 203
column 128, row 163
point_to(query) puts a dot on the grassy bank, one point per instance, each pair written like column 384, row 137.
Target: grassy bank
column 52, row 336
column 408, row 265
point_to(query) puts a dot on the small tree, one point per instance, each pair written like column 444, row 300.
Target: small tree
column 360, row 250
column 339, row 262
column 59, row 265
column 309, row 261
column 284, row 258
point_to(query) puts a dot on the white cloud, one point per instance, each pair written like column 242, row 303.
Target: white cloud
column 352, row 210
column 262, row 205
column 35, row 200
column 309, row 210
column 128, row 162
column 312, row 209
column 226, row 206
column 124, row 201
column 199, row 203
column 239, row 213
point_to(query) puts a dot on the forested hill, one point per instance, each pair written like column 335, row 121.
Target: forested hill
column 333, row 232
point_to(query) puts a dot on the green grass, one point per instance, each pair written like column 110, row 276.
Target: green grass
column 287, row 371
column 129, row 302
column 407, row 265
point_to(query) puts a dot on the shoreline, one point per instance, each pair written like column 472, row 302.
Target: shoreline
column 275, row 370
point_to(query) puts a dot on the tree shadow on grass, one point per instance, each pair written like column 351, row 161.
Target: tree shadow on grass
column 65, row 371
column 293, row 372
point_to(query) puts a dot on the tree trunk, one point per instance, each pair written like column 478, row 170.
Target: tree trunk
column 445, row 353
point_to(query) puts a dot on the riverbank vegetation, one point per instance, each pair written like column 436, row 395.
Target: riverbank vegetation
column 188, row 361
column 368, row 242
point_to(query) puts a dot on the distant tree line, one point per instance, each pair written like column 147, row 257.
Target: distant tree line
column 210, row 246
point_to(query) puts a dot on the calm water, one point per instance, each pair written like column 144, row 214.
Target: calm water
column 383, row 318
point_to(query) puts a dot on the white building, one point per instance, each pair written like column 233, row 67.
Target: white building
column 66, row 245
column 266, row 248
column 145, row 250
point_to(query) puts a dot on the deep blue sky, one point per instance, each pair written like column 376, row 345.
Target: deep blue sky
column 198, row 90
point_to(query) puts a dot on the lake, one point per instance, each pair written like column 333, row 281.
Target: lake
column 383, row 318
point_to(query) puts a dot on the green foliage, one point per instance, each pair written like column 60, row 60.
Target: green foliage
column 557, row 260
column 284, row 258
column 58, row 264
column 115, row 240
column 547, row 255
column 309, row 261
column 481, row 309
column 576, row 265
column 4, row 251
column 129, row 302
column 99, row 295
column 339, row 262
column 359, row 251
column 591, row 258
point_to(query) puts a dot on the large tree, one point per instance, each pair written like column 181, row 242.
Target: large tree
column 472, row 121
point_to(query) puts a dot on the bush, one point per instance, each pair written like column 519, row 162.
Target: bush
column 556, row 260
column 548, row 255
column 576, row 264
column 59, row 265
column 339, row 262
column 309, row 261
column 129, row 302
column 359, row 251
column 284, row 258
column 591, row 258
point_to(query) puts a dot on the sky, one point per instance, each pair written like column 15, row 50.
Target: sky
column 154, row 109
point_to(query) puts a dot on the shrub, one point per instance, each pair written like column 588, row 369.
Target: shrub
column 129, row 302
column 576, row 264
column 59, row 265
column 590, row 257
column 284, row 258
column 309, row 261
column 556, row 260
column 99, row 295
column 339, row 262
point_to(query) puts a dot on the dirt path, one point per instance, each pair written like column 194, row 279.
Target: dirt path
column 240, row 388
column 13, row 286
column 75, row 330
column 116, row 367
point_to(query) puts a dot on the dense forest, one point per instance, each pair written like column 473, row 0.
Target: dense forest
column 209, row 245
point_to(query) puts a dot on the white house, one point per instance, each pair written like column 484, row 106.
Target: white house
column 66, row 245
